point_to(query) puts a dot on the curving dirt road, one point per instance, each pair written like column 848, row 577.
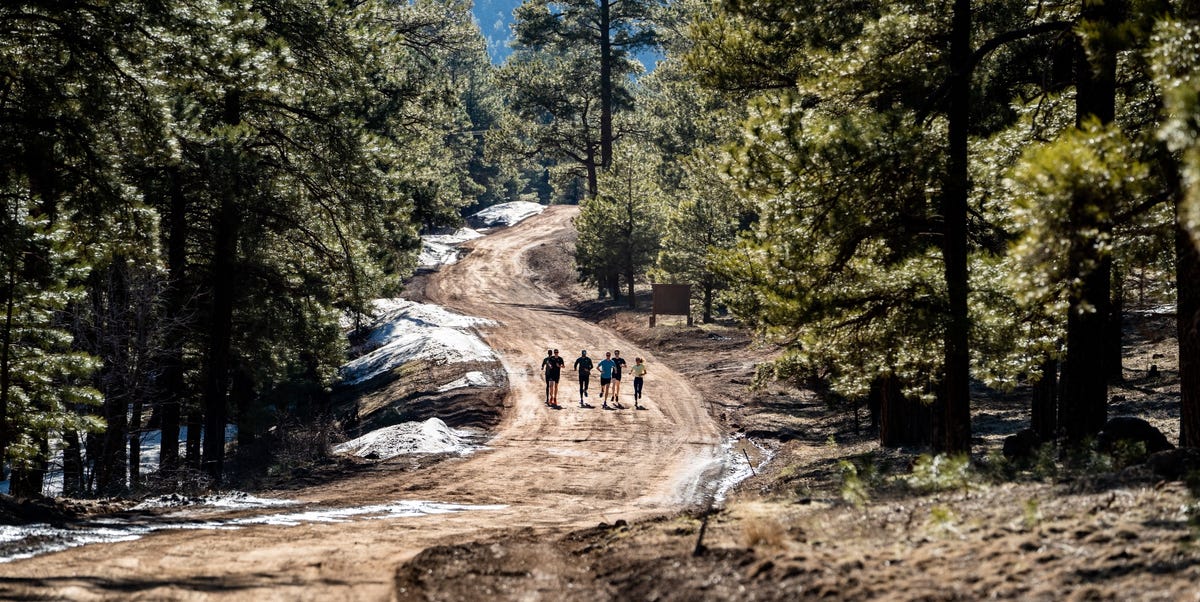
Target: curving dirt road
column 553, row 470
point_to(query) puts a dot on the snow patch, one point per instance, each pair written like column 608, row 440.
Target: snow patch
column 233, row 500
column 429, row 437
column 438, row 250
column 406, row 331
column 736, row 467
column 473, row 378
column 505, row 214
column 19, row 542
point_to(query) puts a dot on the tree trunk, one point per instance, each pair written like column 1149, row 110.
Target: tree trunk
column 172, row 389
column 708, row 304
column 242, row 395
column 1044, row 409
column 1187, row 316
column 1083, row 403
column 632, row 295
column 903, row 421
column 112, row 311
column 6, row 344
column 73, row 485
column 195, row 429
column 27, row 481
column 1114, row 368
column 221, row 284
column 606, row 85
column 954, row 415
column 135, row 442
column 1084, row 392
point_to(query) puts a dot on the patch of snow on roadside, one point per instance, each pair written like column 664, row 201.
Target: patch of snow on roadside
column 429, row 437
column 736, row 467
column 505, row 214
column 473, row 378
column 459, row 236
column 438, row 250
column 27, row 541
column 407, row 330
column 401, row 509
column 233, row 500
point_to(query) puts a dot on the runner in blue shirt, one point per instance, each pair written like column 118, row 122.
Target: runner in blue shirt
column 606, row 368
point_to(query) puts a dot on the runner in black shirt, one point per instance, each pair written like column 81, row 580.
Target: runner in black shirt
column 550, row 368
column 618, row 364
column 583, row 364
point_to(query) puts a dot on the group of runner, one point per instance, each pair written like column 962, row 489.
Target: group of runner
column 611, row 368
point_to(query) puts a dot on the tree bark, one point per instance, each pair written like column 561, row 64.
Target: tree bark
column 1187, row 316
column 954, row 414
column 226, row 228
column 73, row 485
column 111, row 308
column 1084, row 393
column 1187, row 313
column 1044, row 409
column 1114, row 368
column 6, row 344
column 903, row 422
column 606, row 85
column 172, row 389
column 708, row 303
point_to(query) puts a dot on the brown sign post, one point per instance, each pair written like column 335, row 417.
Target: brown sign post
column 671, row 300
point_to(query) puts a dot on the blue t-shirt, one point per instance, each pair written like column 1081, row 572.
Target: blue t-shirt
column 606, row 368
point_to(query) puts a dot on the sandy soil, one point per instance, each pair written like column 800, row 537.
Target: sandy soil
column 555, row 470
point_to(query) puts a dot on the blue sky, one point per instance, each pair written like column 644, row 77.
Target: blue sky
column 495, row 19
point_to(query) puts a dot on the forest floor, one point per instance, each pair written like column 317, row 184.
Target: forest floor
column 594, row 505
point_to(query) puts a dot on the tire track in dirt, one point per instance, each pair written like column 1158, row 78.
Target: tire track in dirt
column 554, row 470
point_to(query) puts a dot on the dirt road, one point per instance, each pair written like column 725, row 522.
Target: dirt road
column 552, row 470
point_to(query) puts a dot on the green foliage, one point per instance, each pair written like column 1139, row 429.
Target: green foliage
column 854, row 489
column 1174, row 57
column 941, row 472
column 1031, row 513
column 619, row 230
column 1068, row 193
column 942, row 517
column 293, row 148
column 46, row 382
column 698, row 225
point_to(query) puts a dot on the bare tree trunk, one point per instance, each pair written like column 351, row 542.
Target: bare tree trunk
column 1114, row 368
column 225, row 233
column 111, row 307
column 73, row 485
column 708, row 304
column 1187, row 316
column 172, row 388
column 195, row 431
column 1084, row 392
column 6, row 344
column 1044, row 410
column 953, row 432
column 606, row 85
column 903, row 421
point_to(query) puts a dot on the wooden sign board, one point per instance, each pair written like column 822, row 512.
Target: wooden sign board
column 671, row 300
